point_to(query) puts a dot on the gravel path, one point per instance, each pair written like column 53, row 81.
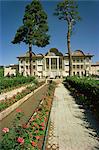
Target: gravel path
column 11, row 93
column 69, row 125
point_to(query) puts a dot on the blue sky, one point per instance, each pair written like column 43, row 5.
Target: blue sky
column 85, row 36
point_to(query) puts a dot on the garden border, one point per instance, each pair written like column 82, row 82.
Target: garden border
column 11, row 108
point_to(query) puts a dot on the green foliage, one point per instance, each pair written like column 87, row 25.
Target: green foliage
column 8, row 102
column 87, row 90
column 55, row 50
column 1, row 71
column 35, row 27
column 85, row 85
column 10, row 138
column 31, row 134
column 68, row 10
column 6, row 83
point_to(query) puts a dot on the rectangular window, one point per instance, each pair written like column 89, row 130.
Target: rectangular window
column 73, row 66
column 73, row 73
column 78, row 66
column 47, row 63
column 26, row 67
column 82, row 73
column 27, row 61
column 73, row 60
column 81, row 66
column 77, row 73
column 53, row 63
column 33, row 67
column 60, row 63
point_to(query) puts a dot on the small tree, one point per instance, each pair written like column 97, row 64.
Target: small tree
column 67, row 10
column 34, row 29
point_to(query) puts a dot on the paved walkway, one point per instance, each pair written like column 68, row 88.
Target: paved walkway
column 68, row 129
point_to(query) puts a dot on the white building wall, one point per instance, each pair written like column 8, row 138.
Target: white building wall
column 10, row 71
column 95, row 70
column 39, row 67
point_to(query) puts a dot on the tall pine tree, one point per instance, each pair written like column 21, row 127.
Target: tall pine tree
column 34, row 29
column 68, row 10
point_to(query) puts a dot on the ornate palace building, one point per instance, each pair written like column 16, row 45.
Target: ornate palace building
column 54, row 64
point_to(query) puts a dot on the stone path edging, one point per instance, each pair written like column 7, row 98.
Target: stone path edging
column 10, row 94
column 8, row 110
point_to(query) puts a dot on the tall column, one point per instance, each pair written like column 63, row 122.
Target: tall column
column 24, row 67
column 50, row 64
column 45, row 64
column 50, row 67
column 45, row 71
column 19, row 62
column 58, row 64
column 58, row 67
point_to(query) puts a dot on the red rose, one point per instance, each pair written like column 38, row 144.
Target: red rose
column 37, row 116
column 36, row 131
column 33, row 143
column 32, row 119
column 42, row 124
column 45, row 119
column 18, row 110
column 20, row 140
column 37, row 137
column 25, row 126
column 47, row 113
column 35, row 124
column 5, row 130
column 43, row 128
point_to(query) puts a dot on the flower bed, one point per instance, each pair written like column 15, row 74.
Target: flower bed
column 30, row 135
column 8, row 102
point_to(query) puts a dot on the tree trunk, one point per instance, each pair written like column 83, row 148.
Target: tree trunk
column 30, row 58
column 69, row 50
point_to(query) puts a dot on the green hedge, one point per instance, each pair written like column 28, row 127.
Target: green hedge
column 6, row 83
column 89, row 87
column 1, row 72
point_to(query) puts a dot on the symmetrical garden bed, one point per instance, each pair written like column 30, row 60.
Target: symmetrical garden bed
column 9, row 83
column 86, row 91
column 31, row 134
column 8, row 102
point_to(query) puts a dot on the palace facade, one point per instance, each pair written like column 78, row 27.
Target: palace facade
column 95, row 69
column 54, row 64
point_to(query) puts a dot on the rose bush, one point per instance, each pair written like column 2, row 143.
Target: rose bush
column 8, row 102
column 30, row 135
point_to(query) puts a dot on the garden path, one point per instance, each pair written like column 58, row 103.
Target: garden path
column 69, row 127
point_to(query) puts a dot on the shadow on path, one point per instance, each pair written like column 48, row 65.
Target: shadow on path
column 90, row 123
